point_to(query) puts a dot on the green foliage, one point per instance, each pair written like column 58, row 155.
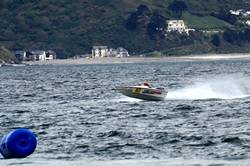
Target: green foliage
column 73, row 27
column 156, row 26
column 207, row 7
column 139, row 16
column 6, row 55
column 178, row 7
column 216, row 40
column 236, row 37
column 247, row 34
column 226, row 16
column 231, row 36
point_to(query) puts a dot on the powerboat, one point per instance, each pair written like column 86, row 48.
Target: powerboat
column 143, row 92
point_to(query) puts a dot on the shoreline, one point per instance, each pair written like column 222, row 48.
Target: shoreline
column 136, row 59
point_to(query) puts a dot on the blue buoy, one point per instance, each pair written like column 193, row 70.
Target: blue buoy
column 19, row 143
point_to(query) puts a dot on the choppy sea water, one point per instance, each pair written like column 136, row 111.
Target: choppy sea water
column 79, row 119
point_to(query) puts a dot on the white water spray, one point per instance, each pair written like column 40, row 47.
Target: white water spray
column 220, row 87
column 128, row 99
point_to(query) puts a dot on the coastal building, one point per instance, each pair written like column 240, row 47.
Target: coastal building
column 104, row 51
column 20, row 55
column 37, row 55
column 111, row 52
column 178, row 26
column 239, row 12
column 121, row 52
column 236, row 12
column 50, row 55
column 248, row 22
column 99, row 51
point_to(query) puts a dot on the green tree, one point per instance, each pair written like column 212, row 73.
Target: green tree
column 226, row 16
column 216, row 40
column 156, row 27
column 133, row 19
column 230, row 36
column 21, row 25
column 131, row 23
column 178, row 7
column 247, row 34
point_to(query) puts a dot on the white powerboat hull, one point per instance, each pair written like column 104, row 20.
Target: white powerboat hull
column 143, row 92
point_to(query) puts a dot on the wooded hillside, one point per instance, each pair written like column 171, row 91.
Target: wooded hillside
column 73, row 27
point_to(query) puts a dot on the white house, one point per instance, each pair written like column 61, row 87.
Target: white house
column 50, row 55
column 121, row 52
column 111, row 52
column 20, row 55
column 240, row 12
column 99, row 51
column 38, row 55
column 178, row 26
column 236, row 12
column 104, row 51
column 248, row 22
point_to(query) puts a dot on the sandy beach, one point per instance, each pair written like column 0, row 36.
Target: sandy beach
column 113, row 60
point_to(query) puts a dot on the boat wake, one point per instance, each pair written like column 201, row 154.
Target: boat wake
column 221, row 87
column 128, row 100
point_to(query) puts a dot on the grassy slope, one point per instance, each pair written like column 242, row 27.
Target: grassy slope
column 207, row 6
column 205, row 22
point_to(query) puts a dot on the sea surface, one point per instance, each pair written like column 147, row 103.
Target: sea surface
column 80, row 119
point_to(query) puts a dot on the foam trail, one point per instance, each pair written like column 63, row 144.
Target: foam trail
column 128, row 99
column 221, row 87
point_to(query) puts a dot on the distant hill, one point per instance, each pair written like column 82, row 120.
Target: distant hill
column 73, row 27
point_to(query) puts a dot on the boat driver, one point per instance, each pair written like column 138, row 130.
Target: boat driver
column 146, row 84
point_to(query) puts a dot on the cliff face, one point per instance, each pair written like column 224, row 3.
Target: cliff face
column 6, row 56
